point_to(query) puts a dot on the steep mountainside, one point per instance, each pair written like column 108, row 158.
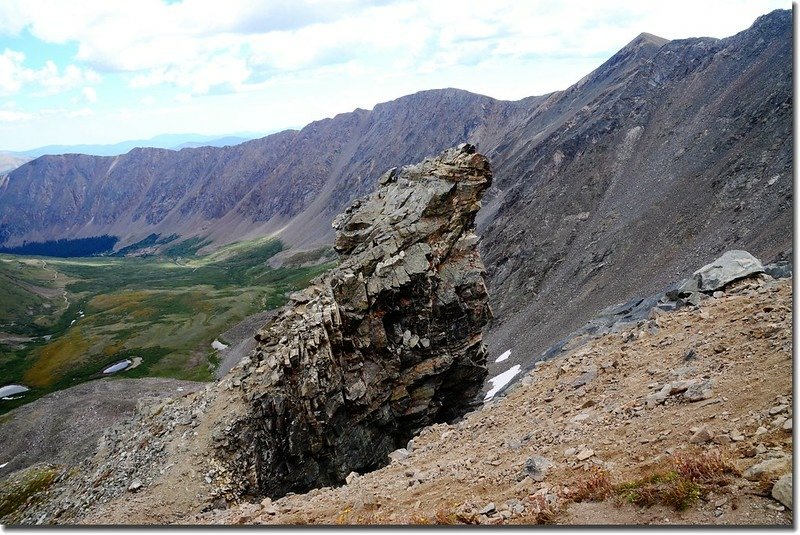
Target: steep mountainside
column 293, row 182
column 666, row 155
column 666, row 165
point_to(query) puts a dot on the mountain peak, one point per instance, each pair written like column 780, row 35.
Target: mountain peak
column 645, row 38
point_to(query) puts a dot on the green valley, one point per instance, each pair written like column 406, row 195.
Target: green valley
column 64, row 320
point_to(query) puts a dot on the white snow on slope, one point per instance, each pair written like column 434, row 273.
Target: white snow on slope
column 503, row 357
column 500, row 381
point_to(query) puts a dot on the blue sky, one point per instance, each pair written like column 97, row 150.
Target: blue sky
column 102, row 71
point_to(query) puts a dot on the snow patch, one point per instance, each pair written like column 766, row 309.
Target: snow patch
column 503, row 357
column 119, row 366
column 3, row 465
column 216, row 344
column 500, row 381
column 6, row 392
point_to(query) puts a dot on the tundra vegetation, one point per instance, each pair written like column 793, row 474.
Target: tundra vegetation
column 64, row 320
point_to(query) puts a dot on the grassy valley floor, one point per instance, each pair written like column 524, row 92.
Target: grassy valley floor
column 63, row 321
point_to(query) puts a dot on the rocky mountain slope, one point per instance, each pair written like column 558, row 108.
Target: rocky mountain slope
column 671, row 153
column 668, row 154
column 580, row 441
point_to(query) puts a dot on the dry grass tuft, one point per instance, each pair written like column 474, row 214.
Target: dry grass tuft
column 704, row 467
column 670, row 489
column 595, row 488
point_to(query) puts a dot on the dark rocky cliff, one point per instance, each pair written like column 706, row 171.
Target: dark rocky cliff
column 386, row 343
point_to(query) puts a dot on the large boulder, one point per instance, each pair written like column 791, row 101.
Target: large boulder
column 782, row 490
column 731, row 266
column 386, row 343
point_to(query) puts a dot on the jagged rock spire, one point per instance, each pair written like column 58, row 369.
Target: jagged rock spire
column 384, row 344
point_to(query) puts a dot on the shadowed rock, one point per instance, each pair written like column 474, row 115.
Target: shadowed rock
column 388, row 342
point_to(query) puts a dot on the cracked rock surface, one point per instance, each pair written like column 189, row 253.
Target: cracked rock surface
column 386, row 343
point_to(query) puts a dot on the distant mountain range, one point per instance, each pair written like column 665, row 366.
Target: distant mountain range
column 668, row 154
column 12, row 159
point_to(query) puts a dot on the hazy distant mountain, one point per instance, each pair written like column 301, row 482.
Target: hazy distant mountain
column 165, row 141
column 218, row 142
column 666, row 155
column 10, row 161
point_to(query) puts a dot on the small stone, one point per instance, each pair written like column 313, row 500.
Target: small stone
column 761, row 430
column 488, row 509
column 399, row 455
column 585, row 454
column 722, row 439
column 266, row 502
column 779, row 421
column 698, row 391
column 536, row 467
column 736, row 435
column 569, row 452
column 768, row 468
column 777, row 409
column 787, row 425
column 782, row 490
column 585, row 378
column 761, row 449
column 702, row 435
column 718, row 294
column 352, row 476
column 135, row 485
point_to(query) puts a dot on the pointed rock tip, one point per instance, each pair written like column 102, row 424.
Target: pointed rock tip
column 648, row 38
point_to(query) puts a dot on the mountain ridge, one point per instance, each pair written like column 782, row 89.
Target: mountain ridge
column 661, row 158
column 163, row 141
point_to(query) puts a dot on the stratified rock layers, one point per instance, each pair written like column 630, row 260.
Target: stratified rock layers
column 386, row 343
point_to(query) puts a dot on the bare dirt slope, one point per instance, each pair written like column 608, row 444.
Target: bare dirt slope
column 63, row 427
column 596, row 416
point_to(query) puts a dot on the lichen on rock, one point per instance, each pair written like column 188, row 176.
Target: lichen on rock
column 384, row 344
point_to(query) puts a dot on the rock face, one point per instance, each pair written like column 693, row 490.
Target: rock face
column 388, row 342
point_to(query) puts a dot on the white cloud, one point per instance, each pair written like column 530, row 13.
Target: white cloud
column 89, row 94
column 11, row 116
column 14, row 75
column 207, row 46
column 54, row 81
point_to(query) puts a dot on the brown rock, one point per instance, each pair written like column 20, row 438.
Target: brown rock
column 702, row 435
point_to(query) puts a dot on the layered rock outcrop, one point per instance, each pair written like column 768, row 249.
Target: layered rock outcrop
column 384, row 344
